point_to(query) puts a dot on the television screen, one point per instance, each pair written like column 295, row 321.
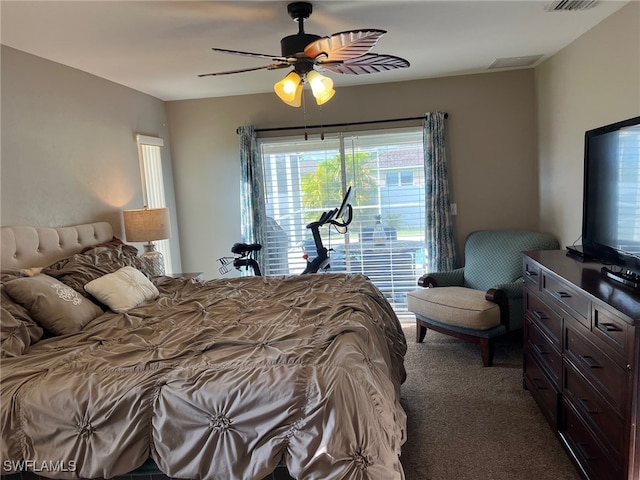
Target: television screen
column 611, row 219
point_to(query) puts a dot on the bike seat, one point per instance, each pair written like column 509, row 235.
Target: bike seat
column 239, row 248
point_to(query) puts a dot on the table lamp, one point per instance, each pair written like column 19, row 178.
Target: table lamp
column 146, row 225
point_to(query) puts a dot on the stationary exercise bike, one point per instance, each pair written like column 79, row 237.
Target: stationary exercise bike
column 339, row 217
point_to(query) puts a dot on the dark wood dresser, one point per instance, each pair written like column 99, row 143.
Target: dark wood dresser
column 582, row 361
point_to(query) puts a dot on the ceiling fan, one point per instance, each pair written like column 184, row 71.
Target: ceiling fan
column 343, row 52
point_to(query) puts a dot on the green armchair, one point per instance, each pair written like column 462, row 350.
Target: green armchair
column 483, row 299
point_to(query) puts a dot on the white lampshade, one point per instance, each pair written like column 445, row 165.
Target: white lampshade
column 146, row 224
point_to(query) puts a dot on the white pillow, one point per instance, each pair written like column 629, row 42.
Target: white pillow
column 123, row 289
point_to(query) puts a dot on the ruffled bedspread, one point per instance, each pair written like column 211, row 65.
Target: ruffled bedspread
column 223, row 379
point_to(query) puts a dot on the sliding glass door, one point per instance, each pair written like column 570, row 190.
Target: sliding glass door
column 385, row 241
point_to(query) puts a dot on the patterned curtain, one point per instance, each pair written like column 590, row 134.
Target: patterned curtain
column 252, row 209
column 439, row 235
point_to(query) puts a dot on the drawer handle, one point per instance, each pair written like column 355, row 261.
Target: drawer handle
column 609, row 327
column 590, row 361
column 587, row 457
column 540, row 315
column 529, row 273
column 563, row 295
column 536, row 382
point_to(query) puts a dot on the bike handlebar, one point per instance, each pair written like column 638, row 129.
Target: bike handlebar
column 328, row 217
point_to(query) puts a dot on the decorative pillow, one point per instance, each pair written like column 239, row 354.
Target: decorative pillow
column 17, row 311
column 123, row 290
column 8, row 275
column 56, row 307
column 94, row 262
column 14, row 336
column 20, row 314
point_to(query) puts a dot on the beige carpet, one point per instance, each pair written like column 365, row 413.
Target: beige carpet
column 467, row 422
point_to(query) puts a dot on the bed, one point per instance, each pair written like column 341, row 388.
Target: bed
column 217, row 379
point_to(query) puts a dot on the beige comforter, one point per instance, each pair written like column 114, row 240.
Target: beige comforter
column 217, row 380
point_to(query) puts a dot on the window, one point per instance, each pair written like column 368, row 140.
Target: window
column 395, row 179
column 153, row 184
column 406, row 178
column 386, row 171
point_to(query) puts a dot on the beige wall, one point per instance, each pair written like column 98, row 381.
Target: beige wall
column 68, row 145
column 592, row 82
column 69, row 156
column 492, row 140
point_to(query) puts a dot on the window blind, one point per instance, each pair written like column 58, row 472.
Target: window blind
column 153, row 184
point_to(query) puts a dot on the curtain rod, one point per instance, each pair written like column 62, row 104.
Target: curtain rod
column 370, row 122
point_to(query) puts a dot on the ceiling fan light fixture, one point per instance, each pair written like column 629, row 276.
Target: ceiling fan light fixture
column 321, row 87
column 289, row 89
column 324, row 97
column 343, row 52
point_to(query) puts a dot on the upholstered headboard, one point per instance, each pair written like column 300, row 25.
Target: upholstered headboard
column 26, row 247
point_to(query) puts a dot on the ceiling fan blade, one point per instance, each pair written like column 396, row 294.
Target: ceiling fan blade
column 369, row 63
column 274, row 58
column 344, row 45
column 273, row 66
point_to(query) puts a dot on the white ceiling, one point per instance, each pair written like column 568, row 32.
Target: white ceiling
column 159, row 47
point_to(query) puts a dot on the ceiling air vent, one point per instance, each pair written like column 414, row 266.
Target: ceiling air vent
column 515, row 62
column 570, row 5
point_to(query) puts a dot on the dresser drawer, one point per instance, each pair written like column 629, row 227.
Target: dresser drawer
column 591, row 455
column 612, row 330
column 607, row 376
column 531, row 273
column 591, row 406
column 543, row 350
column 541, row 389
column 544, row 316
column 567, row 296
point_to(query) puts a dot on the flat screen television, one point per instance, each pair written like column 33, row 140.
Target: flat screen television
column 611, row 203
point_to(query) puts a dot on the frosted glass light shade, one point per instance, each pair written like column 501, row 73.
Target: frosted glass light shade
column 289, row 89
column 321, row 87
column 146, row 224
column 324, row 97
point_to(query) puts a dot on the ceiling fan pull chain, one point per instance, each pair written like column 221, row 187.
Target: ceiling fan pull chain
column 321, row 124
column 304, row 116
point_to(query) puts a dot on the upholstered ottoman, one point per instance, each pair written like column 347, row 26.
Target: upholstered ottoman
column 455, row 306
column 458, row 311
